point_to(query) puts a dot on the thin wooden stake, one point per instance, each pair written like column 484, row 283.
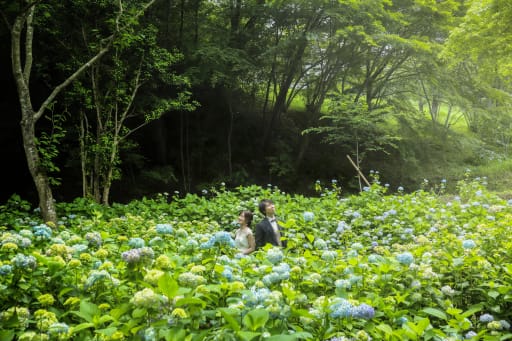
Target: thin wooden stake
column 358, row 170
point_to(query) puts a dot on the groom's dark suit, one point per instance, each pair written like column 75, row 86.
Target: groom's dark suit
column 264, row 233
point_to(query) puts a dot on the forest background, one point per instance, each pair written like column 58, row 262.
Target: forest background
column 116, row 100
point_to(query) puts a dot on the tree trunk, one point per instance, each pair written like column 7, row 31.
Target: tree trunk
column 41, row 181
column 29, row 117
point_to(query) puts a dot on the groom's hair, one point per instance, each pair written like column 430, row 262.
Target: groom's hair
column 263, row 204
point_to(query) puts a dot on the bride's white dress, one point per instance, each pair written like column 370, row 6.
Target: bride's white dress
column 241, row 241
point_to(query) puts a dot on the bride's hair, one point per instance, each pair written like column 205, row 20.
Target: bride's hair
column 248, row 217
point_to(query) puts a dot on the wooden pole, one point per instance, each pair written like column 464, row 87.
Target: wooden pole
column 358, row 170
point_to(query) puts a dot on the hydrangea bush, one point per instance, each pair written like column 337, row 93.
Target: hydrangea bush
column 373, row 266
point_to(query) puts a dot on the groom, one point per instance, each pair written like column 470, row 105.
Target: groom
column 268, row 231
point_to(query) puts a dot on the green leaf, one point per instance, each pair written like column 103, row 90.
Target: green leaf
column 386, row 328
column 247, row 336
column 453, row 311
column 302, row 312
column 80, row 327
column 175, row 334
column 24, row 286
column 472, row 310
column 106, row 331
column 410, row 329
column 493, row 294
column 256, row 319
column 105, row 318
column 6, row 335
column 191, row 301
column 121, row 310
column 423, row 324
column 139, row 313
column 168, row 286
column 310, row 237
column 88, row 310
column 227, row 314
column 435, row 312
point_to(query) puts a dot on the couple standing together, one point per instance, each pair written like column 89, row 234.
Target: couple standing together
column 267, row 231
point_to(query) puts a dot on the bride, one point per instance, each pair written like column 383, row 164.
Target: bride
column 244, row 239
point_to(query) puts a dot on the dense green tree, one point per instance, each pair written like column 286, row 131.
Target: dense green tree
column 128, row 89
column 480, row 46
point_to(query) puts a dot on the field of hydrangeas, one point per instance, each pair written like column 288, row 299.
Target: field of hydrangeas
column 373, row 266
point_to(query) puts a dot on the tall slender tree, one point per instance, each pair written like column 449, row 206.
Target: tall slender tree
column 21, row 18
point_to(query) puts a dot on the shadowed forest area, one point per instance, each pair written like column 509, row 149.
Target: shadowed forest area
column 121, row 100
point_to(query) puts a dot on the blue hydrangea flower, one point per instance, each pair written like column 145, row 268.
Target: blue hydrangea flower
column 363, row 311
column 164, row 228
column 191, row 243
column 342, row 226
column 356, row 215
column 401, row 320
column 25, row 243
column 136, row 242
column 221, row 238
column 79, row 248
column 149, row 334
column 468, row 244
column 470, row 335
column 227, row 273
column 486, row 318
column 283, row 269
column 280, row 272
column 320, row 244
column 256, row 296
column 24, row 262
column 329, row 255
column 274, row 255
column 357, row 246
column 354, row 279
column 405, row 258
column 42, row 232
column 308, row 216
column 95, row 276
column 270, row 278
column 352, row 254
column 343, row 284
column 138, row 255
column 375, row 258
column 94, row 238
column 389, row 213
column 5, row 269
column 208, row 244
column 504, row 324
column 28, row 234
column 131, row 256
column 341, row 308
